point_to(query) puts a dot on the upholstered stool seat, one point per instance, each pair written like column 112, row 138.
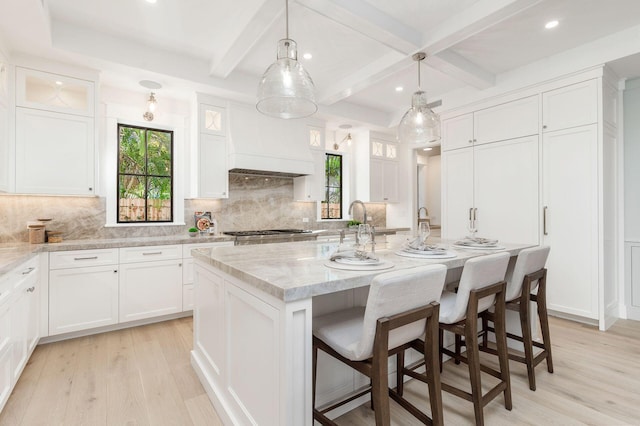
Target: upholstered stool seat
column 401, row 307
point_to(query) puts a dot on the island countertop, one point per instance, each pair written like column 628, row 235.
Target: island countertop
column 295, row 271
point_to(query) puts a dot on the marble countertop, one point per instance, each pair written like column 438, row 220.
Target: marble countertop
column 295, row 271
column 379, row 231
column 13, row 254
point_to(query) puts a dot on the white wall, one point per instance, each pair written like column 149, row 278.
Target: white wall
column 632, row 161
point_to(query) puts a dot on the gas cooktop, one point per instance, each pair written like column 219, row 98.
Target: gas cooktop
column 266, row 232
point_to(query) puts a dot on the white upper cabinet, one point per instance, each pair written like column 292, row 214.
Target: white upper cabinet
column 457, row 132
column 570, row 106
column 54, row 153
column 311, row 187
column 54, row 92
column 212, row 165
column 507, row 121
column 212, row 149
column 54, row 134
column 501, row 122
column 383, row 171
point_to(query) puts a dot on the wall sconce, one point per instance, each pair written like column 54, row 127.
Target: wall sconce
column 347, row 138
column 151, row 107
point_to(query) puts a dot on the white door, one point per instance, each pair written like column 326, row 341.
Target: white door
column 82, row 298
column 506, row 190
column 150, row 289
column 54, row 153
column 570, row 206
column 457, row 197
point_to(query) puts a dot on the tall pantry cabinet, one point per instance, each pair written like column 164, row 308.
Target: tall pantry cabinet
column 546, row 186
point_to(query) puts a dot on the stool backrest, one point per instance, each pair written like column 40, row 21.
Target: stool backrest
column 478, row 272
column 396, row 292
column 529, row 260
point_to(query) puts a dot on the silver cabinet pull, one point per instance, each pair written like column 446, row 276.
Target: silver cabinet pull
column 31, row 289
column 150, row 253
column 544, row 220
column 85, row 258
column 470, row 140
column 470, row 213
column 29, row 270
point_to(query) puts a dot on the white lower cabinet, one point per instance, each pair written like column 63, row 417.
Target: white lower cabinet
column 188, row 270
column 5, row 354
column 82, row 298
column 150, row 289
column 24, row 317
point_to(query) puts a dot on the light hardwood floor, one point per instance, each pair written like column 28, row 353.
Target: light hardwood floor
column 143, row 376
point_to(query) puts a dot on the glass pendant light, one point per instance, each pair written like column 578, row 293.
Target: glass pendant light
column 419, row 125
column 286, row 89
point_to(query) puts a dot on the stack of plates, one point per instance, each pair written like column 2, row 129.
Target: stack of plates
column 478, row 244
column 429, row 252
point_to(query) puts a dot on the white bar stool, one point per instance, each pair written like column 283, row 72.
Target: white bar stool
column 401, row 307
column 481, row 287
column 527, row 281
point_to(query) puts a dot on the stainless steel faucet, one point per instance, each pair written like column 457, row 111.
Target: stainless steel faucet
column 364, row 209
column 426, row 212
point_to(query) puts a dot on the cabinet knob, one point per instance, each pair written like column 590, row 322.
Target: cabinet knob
column 180, row 264
column 31, row 289
column 475, row 140
column 115, row 271
column 470, row 140
column 90, row 189
column 544, row 126
column 224, row 193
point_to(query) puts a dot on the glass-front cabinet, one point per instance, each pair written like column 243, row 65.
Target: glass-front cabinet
column 54, row 92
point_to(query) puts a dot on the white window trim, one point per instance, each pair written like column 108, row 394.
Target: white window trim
column 175, row 123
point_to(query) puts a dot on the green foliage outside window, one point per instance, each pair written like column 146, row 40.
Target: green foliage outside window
column 145, row 168
column 332, row 204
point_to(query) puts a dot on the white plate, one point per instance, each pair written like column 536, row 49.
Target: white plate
column 479, row 247
column 423, row 255
column 431, row 252
column 354, row 261
column 362, row 267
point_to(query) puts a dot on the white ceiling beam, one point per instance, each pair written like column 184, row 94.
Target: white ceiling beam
column 233, row 49
column 362, row 17
column 470, row 21
column 454, row 65
column 366, row 76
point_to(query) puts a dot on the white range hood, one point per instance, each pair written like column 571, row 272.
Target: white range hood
column 267, row 146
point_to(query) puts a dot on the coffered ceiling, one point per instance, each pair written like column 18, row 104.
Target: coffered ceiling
column 361, row 48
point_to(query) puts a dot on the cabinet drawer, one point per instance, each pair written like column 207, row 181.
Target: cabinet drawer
column 506, row 121
column 26, row 271
column 82, row 258
column 186, row 248
column 150, row 253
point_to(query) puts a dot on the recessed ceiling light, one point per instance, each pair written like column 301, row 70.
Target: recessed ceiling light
column 307, row 55
column 551, row 24
column 59, row 83
column 427, row 148
column 345, row 126
column 399, row 89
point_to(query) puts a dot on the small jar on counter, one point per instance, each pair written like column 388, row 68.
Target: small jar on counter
column 36, row 234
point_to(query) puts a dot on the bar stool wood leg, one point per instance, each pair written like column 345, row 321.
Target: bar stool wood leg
column 380, row 378
column 473, row 361
column 399, row 375
column 527, row 340
column 503, row 351
column 541, row 302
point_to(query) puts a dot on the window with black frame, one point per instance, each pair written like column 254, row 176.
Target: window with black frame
column 332, row 204
column 145, row 175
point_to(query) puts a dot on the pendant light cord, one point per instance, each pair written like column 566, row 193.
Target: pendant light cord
column 419, row 85
column 286, row 17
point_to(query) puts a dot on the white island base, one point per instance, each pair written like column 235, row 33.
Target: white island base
column 253, row 335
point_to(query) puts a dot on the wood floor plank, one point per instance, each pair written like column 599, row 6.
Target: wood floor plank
column 143, row 376
column 201, row 411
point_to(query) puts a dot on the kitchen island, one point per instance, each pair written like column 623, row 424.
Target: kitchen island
column 254, row 307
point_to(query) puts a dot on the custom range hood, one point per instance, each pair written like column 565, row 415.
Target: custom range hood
column 267, row 146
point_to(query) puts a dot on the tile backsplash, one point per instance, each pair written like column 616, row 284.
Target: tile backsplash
column 254, row 203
